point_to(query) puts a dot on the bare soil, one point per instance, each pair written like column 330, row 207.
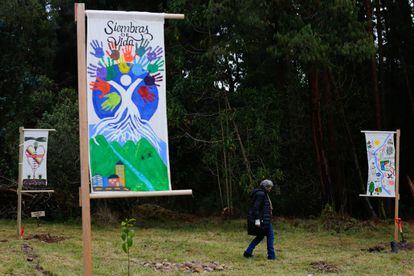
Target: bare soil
column 324, row 267
column 45, row 238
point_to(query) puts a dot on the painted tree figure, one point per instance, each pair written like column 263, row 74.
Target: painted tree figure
column 125, row 97
column 129, row 81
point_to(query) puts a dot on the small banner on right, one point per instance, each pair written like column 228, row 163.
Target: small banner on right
column 381, row 163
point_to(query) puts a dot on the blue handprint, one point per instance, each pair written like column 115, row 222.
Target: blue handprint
column 99, row 52
column 95, row 71
column 142, row 48
column 138, row 67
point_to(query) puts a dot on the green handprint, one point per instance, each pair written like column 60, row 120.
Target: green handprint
column 110, row 68
column 112, row 100
column 155, row 67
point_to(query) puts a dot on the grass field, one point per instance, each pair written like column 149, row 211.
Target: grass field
column 298, row 244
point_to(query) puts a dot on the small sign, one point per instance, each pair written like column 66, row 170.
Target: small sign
column 38, row 214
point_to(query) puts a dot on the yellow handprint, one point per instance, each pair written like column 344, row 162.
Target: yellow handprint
column 123, row 66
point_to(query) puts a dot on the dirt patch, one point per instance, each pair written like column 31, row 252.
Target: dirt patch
column 28, row 251
column 3, row 240
column 324, row 267
column 45, row 238
column 186, row 267
column 31, row 257
column 386, row 247
column 377, row 248
column 409, row 246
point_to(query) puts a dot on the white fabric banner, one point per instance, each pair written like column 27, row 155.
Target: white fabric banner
column 127, row 115
column 34, row 158
column 381, row 164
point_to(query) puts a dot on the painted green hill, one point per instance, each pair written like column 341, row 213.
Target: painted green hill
column 144, row 168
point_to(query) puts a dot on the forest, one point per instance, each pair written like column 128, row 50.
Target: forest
column 272, row 89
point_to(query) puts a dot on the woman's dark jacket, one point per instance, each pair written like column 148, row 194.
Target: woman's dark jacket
column 260, row 208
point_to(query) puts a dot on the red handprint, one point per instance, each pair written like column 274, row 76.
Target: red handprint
column 146, row 95
column 114, row 50
column 127, row 51
column 100, row 85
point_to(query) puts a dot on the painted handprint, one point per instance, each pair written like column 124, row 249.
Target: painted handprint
column 127, row 51
column 100, row 85
column 110, row 69
column 146, row 99
column 142, row 48
column 138, row 67
column 153, row 55
column 156, row 66
column 146, row 95
column 152, row 80
column 112, row 101
column 123, row 66
column 114, row 51
column 95, row 71
column 97, row 48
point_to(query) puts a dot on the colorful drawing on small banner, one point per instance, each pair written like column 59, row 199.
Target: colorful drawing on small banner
column 34, row 159
column 127, row 115
column 381, row 164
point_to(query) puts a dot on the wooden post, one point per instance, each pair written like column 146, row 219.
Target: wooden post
column 397, row 182
column 83, row 136
column 20, row 182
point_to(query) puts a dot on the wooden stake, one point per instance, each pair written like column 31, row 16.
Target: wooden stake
column 20, row 182
column 83, row 136
column 397, row 182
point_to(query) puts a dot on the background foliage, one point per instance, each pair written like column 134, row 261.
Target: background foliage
column 275, row 89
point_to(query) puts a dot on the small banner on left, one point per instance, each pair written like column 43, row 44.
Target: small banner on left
column 34, row 159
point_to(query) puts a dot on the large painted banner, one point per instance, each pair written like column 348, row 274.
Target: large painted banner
column 34, row 159
column 381, row 164
column 128, row 138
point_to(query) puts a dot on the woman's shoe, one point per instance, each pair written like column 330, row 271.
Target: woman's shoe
column 247, row 255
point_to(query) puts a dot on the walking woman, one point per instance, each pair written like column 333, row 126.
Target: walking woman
column 259, row 222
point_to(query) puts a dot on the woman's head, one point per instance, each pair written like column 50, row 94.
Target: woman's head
column 267, row 184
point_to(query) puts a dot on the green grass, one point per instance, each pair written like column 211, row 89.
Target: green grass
column 298, row 243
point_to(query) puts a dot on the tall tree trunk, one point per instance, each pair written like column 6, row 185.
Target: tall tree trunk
column 317, row 134
column 374, row 77
column 242, row 148
column 381, row 71
column 226, row 176
column 408, row 84
column 378, row 15
column 353, row 150
column 217, row 165
column 374, row 82
column 338, row 189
